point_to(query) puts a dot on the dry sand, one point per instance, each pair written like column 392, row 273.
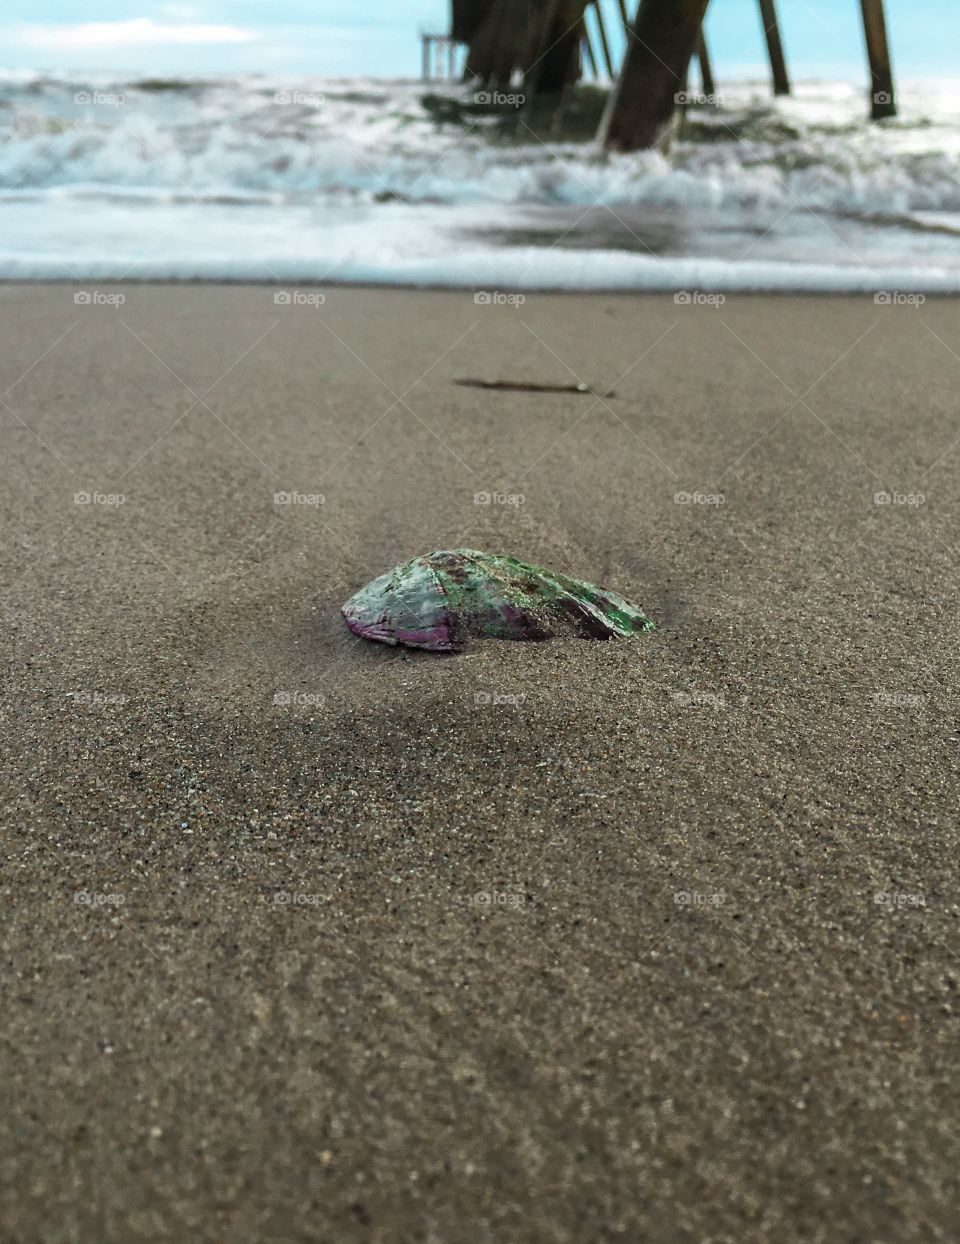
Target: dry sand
column 652, row 940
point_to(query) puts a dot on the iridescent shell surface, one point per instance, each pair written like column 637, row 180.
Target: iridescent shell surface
column 442, row 600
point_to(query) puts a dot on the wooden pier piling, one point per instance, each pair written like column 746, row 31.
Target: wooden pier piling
column 485, row 43
column 589, row 53
column 707, row 85
column 660, row 45
column 558, row 61
column 771, row 32
column 547, row 40
column 883, row 101
column 604, row 43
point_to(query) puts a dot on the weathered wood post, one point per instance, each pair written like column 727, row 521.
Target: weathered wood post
column 425, row 58
column 707, row 84
column 589, row 52
column 558, row 62
column 604, row 44
column 771, row 32
column 485, row 42
column 661, row 42
column 883, row 101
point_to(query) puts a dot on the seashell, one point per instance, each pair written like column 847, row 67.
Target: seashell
column 442, row 600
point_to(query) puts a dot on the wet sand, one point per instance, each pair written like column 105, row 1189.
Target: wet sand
column 308, row 939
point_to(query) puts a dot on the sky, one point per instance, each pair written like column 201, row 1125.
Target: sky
column 337, row 38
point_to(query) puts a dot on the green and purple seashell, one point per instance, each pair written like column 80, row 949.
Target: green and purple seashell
column 442, row 600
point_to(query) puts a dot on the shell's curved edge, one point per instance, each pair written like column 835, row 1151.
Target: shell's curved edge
column 440, row 600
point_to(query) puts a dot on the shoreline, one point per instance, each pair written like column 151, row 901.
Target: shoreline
column 553, row 292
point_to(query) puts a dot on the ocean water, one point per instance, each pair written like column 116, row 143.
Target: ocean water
column 357, row 180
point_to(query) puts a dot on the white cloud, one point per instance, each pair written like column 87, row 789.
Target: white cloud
column 136, row 32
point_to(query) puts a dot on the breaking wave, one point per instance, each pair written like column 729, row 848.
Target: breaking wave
column 242, row 145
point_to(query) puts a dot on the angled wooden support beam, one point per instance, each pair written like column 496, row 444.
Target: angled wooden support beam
column 660, row 45
column 604, row 43
column 588, row 52
column 883, row 102
column 707, row 84
column 771, row 32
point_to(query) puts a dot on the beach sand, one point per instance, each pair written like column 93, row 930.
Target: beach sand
column 640, row 940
